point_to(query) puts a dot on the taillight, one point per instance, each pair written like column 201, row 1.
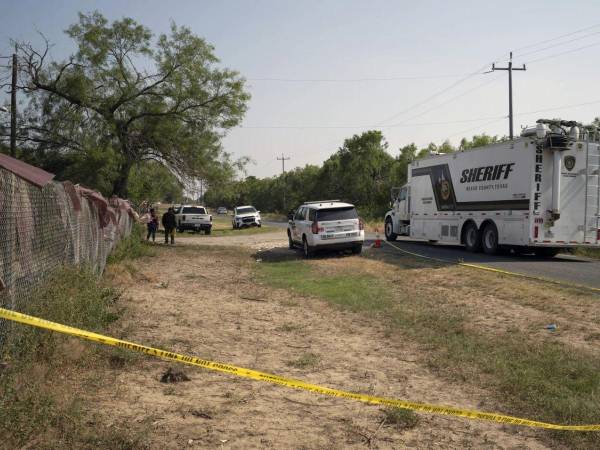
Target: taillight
column 182, row 217
column 210, row 218
column 598, row 235
column 361, row 225
column 315, row 228
column 535, row 232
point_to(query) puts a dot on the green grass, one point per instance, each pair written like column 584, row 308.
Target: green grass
column 530, row 376
column 357, row 292
column 402, row 419
column 589, row 252
column 132, row 247
column 305, row 361
column 38, row 394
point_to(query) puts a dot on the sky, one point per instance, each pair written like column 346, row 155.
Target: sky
column 322, row 71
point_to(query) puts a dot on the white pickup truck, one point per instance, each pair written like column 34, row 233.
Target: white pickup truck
column 191, row 217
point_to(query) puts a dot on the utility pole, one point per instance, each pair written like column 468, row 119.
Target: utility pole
column 13, row 107
column 283, row 159
column 510, row 69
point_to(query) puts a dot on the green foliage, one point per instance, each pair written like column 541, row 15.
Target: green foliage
column 362, row 172
column 132, row 247
column 152, row 181
column 165, row 100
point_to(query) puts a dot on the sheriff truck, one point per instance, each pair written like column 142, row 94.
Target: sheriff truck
column 537, row 193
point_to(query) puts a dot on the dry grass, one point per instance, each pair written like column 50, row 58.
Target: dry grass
column 478, row 328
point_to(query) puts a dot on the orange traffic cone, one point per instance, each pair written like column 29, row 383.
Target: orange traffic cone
column 377, row 243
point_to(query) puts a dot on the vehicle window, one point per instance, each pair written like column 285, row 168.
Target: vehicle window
column 300, row 214
column 193, row 210
column 402, row 194
column 247, row 210
column 312, row 214
column 177, row 209
column 323, row 215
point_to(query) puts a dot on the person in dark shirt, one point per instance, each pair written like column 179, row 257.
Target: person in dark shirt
column 169, row 223
column 152, row 225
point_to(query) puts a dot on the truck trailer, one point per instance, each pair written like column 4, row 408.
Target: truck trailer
column 538, row 193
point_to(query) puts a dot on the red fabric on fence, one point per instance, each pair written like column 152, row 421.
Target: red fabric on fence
column 73, row 195
column 34, row 175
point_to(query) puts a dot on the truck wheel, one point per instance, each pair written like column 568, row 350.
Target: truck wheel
column 546, row 252
column 290, row 241
column 307, row 249
column 471, row 238
column 489, row 239
column 207, row 231
column 389, row 230
column 357, row 249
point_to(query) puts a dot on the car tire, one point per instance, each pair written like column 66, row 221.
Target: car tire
column 357, row 249
column 290, row 241
column 489, row 239
column 389, row 230
column 207, row 231
column 259, row 225
column 472, row 238
column 307, row 250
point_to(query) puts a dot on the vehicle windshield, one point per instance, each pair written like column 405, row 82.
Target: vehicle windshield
column 248, row 210
column 193, row 210
column 324, row 215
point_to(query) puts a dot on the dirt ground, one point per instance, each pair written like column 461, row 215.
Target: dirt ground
column 200, row 298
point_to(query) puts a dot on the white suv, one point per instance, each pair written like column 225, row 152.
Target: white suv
column 245, row 216
column 327, row 224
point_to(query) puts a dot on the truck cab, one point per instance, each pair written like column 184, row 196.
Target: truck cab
column 397, row 220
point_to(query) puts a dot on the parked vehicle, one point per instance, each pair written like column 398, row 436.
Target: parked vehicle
column 538, row 193
column 195, row 218
column 221, row 210
column 326, row 224
column 245, row 216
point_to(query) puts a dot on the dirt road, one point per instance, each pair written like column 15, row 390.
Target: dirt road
column 202, row 298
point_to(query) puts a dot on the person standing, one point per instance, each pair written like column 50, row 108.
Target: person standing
column 169, row 223
column 152, row 225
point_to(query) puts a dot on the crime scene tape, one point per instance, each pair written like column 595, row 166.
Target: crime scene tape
column 283, row 381
column 500, row 271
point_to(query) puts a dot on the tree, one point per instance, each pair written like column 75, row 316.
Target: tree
column 152, row 181
column 166, row 101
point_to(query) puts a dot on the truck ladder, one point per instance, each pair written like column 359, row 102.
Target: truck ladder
column 592, row 193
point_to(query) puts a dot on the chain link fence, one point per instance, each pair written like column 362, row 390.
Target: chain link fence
column 44, row 228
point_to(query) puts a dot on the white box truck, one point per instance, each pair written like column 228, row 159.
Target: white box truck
column 539, row 192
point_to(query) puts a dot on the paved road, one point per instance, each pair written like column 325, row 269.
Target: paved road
column 567, row 268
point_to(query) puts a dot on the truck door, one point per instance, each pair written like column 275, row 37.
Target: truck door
column 403, row 204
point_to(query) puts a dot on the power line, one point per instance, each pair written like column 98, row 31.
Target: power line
column 479, row 86
column 581, row 30
column 437, row 94
column 563, row 53
column 357, row 80
column 521, row 55
column 476, row 127
column 398, row 125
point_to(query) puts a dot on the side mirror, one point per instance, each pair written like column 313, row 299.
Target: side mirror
column 290, row 216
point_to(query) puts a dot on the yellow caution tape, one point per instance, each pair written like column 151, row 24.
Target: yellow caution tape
column 500, row 271
column 288, row 382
